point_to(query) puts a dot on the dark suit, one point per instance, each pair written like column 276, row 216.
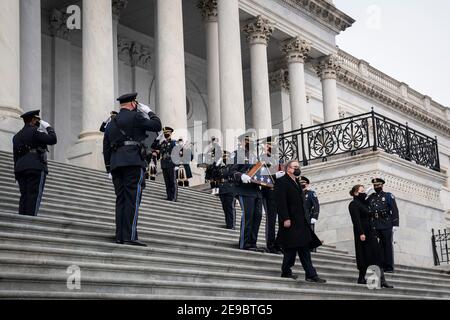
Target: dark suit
column 127, row 165
column 30, row 165
column 299, row 237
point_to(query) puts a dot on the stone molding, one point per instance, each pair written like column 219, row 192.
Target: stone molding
column 324, row 11
column 396, row 95
column 208, row 9
column 328, row 67
column 58, row 24
column 296, row 50
column 279, row 79
column 258, row 30
column 134, row 53
column 117, row 7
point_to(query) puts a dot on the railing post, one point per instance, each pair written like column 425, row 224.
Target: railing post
column 446, row 246
column 433, row 247
column 302, row 138
column 374, row 129
column 438, row 160
column 408, row 144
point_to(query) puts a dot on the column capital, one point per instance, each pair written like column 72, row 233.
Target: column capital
column 296, row 49
column 117, row 8
column 258, row 30
column 140, row 56
column 279, row 79
column 328, row 67
column 208, row 9
column 58, row 24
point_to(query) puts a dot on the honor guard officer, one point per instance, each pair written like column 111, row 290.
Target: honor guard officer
column 385, row 218
column 227, row 191
column 269, row 199
column 124, row 155
column 30, row 160
column 312, row 202
column 164, row 150
column 249, row 194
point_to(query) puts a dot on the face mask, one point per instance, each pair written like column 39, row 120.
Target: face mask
column 297, row 172
column 303, row 186
column 378, row 190
column 362, row 196
column 167, row 136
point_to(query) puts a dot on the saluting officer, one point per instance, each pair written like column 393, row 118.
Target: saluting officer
column 30, row 160
column 385, row 218
column 227, row 191
column 249, row 194
column 269, row 198
column 124, row 155
column 164, row 150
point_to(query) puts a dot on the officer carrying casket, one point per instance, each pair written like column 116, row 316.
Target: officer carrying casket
column 30, row 160
column 125, row 158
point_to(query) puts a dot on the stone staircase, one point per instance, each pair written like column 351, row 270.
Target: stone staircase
column 190, row 254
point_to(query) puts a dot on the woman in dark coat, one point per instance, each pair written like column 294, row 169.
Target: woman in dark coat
column 366, row 243
column 295, row 235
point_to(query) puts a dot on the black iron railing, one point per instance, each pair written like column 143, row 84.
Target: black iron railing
column 440, row 243
column 353, row 135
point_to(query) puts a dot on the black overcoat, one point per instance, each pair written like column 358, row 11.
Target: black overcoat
column 291, row 206
column 367, row 252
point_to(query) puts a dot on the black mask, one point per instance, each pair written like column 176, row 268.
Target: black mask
column 303, row 186
column 167, row 136
column 362, row 196
column 297, row 172
column 378, row 190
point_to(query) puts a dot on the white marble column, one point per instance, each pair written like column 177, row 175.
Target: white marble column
column 327, row 69
column 30, row 55
column 232, row 110
column 258, row 32
column 9, row 72
column 280, row 100
column 61, row 109
column 117, row 7
column 209, row 12
column 98, row 82
column 296, row 51
column 171, row 68
column 140, row 71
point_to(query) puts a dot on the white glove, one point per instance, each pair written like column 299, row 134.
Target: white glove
column 313, row 221
column 110, row 176
column 245, row 178
column 44, row 124
column 144, row 108
column 280, row 174
column 394, row 229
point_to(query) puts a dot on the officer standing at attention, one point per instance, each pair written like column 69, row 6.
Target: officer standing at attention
column 124, row 155
column 249, row 194
column 30, row 160
column 312, row 202
column 385, row 217
column 227, row 192
column 164, row 150
column 269, row 199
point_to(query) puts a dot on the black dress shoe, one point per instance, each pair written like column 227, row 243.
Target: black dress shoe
column 289, row 276
column 274, row 251
column 386, row 285
column 119, row 242
column 316, row 280
column 135, row 243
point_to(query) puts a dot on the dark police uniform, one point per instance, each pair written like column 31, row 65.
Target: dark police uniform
column 250, row 199
column 30, row 163
column 384, row 216
column 227, row 193
column 184, row 168
column 107, row 122
column 168, row 167
column 124, row 159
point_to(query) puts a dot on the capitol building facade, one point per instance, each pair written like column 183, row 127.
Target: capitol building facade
column 270, row 65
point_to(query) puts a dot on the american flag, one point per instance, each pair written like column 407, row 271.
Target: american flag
column 263, row 176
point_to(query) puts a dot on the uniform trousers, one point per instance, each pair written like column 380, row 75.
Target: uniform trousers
column 229, row 208
column 270, row 207
column 129, row 184
column 31, row 185
column 250, row 221
column 170, row 181
column 387, row 250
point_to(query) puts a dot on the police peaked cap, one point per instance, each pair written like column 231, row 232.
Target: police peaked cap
column 129, row 97
column 304, row 179
column 30, row 114
column 378, row 180
column 168, row 130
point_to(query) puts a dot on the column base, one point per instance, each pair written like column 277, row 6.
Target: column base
column 10, row 124
column 88, row 151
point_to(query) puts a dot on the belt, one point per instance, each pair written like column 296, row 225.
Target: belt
column 131, row 143
column 378, row 215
